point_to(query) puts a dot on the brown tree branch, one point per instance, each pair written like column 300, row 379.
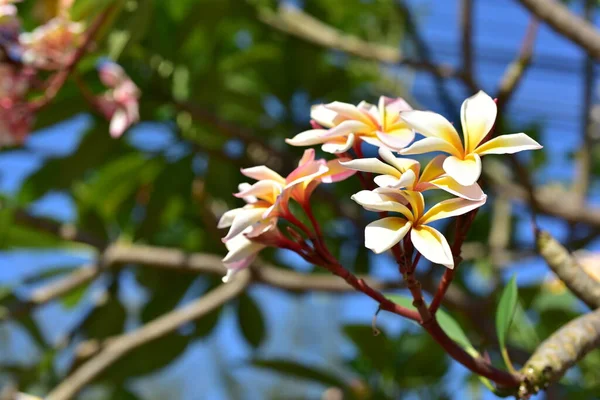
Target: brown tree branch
column 566, row 267
column 571, row 26
column 560, row 352
column 155, row 329
column 297, row 23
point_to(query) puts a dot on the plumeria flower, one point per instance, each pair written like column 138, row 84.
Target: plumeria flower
column 120, row 103
column 52, row 45
column 383, row 234
column 8, row 8
column 339, row 125
column 400, row 173
column 241, row 253
column 478, row 114
column 267, row 199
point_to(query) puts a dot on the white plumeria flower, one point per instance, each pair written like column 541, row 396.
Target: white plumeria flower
column 383, row 234
column 400, row 173
column 341, row 124
column 478, row 114
column 242, row 252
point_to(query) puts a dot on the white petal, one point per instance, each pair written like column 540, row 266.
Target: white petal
column 373, row 165
column 267, row 190
column 349, row 111
column 347, row 127
column 428, row 145
column 242, row 187
column 335, row 147
column 397, row 139
column 227, row 218
column 383, row 234
column 262, row 172
column 243, row 220
column 477, row 114
column 432, row 245
column 466, row 172
column 323, row 116
column 240, row 248
column 508, row 144
column 374, row 201
column 401, row 164
column 432, row 125
column 308, row 138
column 118, row 123
column 446, row 183
column 388, row 181
column 450, row 208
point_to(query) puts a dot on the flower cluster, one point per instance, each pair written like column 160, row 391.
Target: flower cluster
column 27, row 57
column 119, row 103
column 399, row 182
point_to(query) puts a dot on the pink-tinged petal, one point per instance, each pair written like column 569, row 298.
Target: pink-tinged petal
column 401, row 164
column 407, row 180
column 308, row 156
column 348, row 111
column 227, row 218
column 242, row 187
column 267, row 190
column 306, row 172
column 393, row 194
column 243, row 220
column 261, row 228
column 508, row 144
column 339, row 146
column 432, row 245
column 372, row 165
column 371, row 111
column 386, row 181
column 372, row 140
column 324, row 117
column 477, row 114
column 383, row 234
column 428, row 145
column 118, row 123
column 262, row 172
column 397, row 105
column 433, row 169
column 450, row 208
column 466, row 172
column 397, row 139
column 336, row 172
column 348, row 127
column 373, row 201
column 433, row 125
column 446, row 183
column 308, row 138
column 242, row 253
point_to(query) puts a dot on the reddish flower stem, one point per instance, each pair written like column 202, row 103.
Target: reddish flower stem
column 463, row 223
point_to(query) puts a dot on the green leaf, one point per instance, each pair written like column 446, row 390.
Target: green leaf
column 506, row 310
column 47, row 274
column 298, row 370
column 250, row 321
column 446, row 321
column 504, row 317
column 73, row 297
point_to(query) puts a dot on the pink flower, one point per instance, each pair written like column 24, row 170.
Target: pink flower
column 120, row 103
column 266, row 200
column 338, row 125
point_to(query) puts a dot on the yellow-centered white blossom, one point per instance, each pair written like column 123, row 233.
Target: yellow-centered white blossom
column 341, row 124
column 478, row 114
column 400, row 173
column 383, row 234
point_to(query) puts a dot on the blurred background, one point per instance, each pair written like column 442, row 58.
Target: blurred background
column 223, row 83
